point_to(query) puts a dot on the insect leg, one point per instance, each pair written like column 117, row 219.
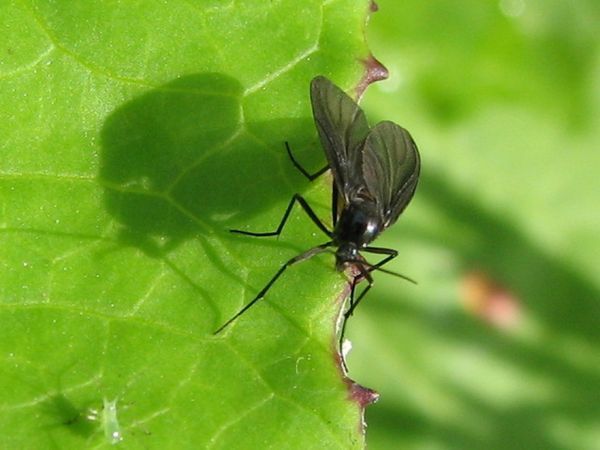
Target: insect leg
column 391, row 255
column 390, row 252
column 334, row 205
column 296, row 198
column 302, row 169
column 296, row 259
column 364, row 274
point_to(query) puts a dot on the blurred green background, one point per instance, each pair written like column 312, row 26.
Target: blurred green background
column 497, row 347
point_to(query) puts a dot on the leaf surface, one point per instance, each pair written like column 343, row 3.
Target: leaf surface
column 132, row 140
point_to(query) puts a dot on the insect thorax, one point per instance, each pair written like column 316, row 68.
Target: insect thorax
column 358, row 224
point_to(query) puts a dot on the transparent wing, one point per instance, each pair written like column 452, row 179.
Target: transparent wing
column 342, row 128
column 390, row 169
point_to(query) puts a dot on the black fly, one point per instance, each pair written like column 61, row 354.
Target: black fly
column 375, row 172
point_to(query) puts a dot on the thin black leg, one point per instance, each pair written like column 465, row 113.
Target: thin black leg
column 334, row 192
column 296, row 259
column 365, row 273
column 296, row 198
column 334, row 205
column 391, row 255
column 390, row 252
column 301, row 169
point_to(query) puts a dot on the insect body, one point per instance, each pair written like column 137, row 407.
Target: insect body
column 375, row 172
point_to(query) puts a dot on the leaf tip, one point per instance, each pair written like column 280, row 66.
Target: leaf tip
column 374, row 71
column 362, row 395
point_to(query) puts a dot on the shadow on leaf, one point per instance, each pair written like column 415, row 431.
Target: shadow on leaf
column 183, row 160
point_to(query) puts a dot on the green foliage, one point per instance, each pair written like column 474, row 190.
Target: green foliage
column 132, row 139
column 503, row 101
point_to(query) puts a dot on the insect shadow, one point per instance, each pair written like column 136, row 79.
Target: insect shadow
column 375, row 174
column 171, row 161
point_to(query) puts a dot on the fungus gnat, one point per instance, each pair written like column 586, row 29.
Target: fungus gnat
column 375, row 172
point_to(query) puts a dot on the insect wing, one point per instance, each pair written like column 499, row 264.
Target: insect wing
column 342, row 128
column 391, row 166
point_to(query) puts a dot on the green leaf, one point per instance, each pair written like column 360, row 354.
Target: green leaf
column 132, row 140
